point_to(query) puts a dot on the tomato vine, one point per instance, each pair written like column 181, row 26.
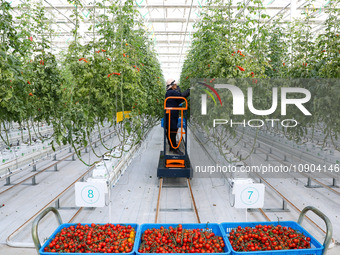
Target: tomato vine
column 82, row 89
column 247, row 43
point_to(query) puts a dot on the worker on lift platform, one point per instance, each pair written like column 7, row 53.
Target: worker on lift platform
column 172, row 90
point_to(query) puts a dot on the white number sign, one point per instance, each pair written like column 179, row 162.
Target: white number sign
column 90, row 194
column 249, row 195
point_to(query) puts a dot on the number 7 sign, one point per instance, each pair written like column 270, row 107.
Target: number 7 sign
column 249, row 195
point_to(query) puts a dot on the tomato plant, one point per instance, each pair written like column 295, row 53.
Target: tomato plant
column 85, row 86
column 246, row 43
column 103, row 80
column 11, row 80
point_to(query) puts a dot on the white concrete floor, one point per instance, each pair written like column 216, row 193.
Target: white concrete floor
column 134, row 199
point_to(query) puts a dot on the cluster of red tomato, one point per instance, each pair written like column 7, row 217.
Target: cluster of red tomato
column 93, row 238
column 179, row 240
column 267, row 237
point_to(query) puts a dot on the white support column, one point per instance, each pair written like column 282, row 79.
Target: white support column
column 292, row 9
column 292, row 17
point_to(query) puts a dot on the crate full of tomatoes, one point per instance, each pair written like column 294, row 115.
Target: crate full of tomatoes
column 270, row 238
column 181, row 238
column 91, row 238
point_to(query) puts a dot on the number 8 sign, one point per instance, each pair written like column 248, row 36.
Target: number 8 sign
column 90, row 194
column 249, row 195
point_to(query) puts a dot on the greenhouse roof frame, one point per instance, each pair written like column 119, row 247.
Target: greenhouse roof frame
column 170, row 23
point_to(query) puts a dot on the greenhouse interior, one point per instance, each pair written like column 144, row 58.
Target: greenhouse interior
column 168, row 126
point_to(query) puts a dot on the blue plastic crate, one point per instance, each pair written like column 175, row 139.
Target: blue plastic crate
column 178, row 124
column 212, row 226
column 316, row 247
column 66, row 225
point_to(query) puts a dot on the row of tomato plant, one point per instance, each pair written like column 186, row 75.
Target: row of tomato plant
column 228, row 44
column 248, row 47
column 83, row 87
